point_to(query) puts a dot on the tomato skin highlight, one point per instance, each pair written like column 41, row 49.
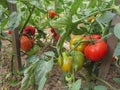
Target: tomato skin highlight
column 95, row 52
column 65, row 66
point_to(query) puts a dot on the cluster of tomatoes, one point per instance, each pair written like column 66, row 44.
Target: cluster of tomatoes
column 91, row 47
column 52, row 14
column 26, row 39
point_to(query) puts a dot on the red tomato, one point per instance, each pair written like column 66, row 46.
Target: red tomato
column 9, row 32
column 94, row 36
column 29, row 30
column 52, row 14
column 52, row 30
column 95, row 52
column 25, row 43
column 57, row 37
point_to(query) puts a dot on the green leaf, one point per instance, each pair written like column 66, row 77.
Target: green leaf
column 50, row 53
column 106, row 17
column 32, row 59
column 75, row 6
column 92, row 3
column 41, row 71
column 64, row 21
column 76, row 85
column 100, row 87
column 117, row 80
column 14, row 20
column 117, row 30
column 117, row 50
column 36, row 4
column 29, row 75
column 14, row 83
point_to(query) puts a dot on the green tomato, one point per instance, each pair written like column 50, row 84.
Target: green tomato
column 69, row 77
column 65, row 66
column 33, row 50
column 78, row 60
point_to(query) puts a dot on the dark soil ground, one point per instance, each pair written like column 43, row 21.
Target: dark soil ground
column 54, row 81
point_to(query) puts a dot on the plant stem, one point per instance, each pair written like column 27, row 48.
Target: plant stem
column 4, row 38
column 78, row 43
column 94, row 13
column 27, row 19
column 105, row 82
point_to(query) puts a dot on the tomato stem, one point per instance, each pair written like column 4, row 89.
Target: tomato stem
column 78, row 43
column 94, row 13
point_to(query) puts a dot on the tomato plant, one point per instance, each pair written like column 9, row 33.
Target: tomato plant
column 96, row 51
column 88, row 20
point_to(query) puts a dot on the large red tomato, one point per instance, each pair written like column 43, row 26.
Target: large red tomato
column 26, row 43
column 96, row 51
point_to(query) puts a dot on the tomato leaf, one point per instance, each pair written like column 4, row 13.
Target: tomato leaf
column 36, row 73
column 76, row 85
column 92, row 3
column 41, row 71
column 28, row 79
column 117, row 80
column 14, row 83
column 100, row 87
column 36, row 4
column 117, row 30
column 75, row 6
column 14, row 20
column 61, row 22
column 50, row 53
column 117, row 50
column 106, row 17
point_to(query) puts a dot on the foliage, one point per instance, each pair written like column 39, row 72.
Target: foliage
column 73, row 18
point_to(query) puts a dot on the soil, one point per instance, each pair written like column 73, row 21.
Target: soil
column 54, row 82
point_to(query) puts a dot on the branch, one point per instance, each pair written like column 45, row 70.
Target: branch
column 103, row 81
column 27, row 19
column 94, row 13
